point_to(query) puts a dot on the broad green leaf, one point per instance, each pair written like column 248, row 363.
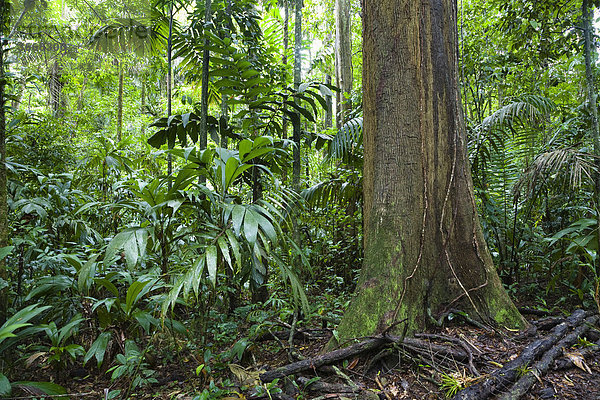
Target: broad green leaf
column 238, row 172
column 107, row 285
column 235, row 247
column 194, row 276
column 172, row 297
column 5, row 388
column 4, row 251
column 230, row 170
column 225, row 250
column 307, row 114
column 86, row 274
column 257, row 153
column 237, row 217
column 266, row 226
column 185, row 119
column 244, row 148
column 262, row 141
column 69, row 329
column 7, row 331
column 115, row 245
column 20, row 319
column 145, row 319
column 133, row 294
column 250, row 226
column 130, row 249
column 211, row 263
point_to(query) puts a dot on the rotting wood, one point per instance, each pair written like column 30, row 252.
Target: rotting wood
column 324, row 359
column 326, row 387
column 545, row 324
column 525, row 382
column 500, row 379
column 458, row 342
column 533, row 311
column 412, row 344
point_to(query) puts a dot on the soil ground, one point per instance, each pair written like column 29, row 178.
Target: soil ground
column 394, row 378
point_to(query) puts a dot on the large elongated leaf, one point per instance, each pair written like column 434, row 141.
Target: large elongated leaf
column 211, row 263
column 20, row 320
column 250, row 226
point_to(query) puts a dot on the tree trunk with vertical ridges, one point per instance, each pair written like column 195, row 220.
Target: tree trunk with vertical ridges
column 424, row 248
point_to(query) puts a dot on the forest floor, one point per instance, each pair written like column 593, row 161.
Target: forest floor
column 391, row 378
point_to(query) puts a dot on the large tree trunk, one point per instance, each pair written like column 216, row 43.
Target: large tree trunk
column 343, row 59
column 424, row 249
column 591, row 94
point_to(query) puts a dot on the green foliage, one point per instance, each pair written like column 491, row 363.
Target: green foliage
column 60, row 353
column 132, row 366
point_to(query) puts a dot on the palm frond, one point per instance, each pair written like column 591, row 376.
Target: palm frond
column 523, row 112
column 348, row 138
column 127, row 34
column 563, row 162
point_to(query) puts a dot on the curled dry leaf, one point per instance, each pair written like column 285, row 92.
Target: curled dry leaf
column 578, row 360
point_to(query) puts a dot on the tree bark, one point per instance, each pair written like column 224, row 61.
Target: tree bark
column 297, row 80
column 591, row 94
column 170, row 81
column 343, row 59
column 284, row 60
column 424, row 248
column 329, row 103
column 203, row 138
column 56, row 98
column 120, row 104
column 3, row 172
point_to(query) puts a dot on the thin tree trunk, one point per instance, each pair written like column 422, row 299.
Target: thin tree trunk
column 120, row 104
column 143, row 102
column 343, row 59
column 424, row 248
column 143, row 95
column 3, row 172
column 284, row 60
column 329, row 103
column 224, row 105
column 297, row 80
column 169, row 83
column 203, row 137
column 56, row 98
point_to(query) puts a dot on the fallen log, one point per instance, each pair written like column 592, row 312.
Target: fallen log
column 412, row 344
column 525, row 382
column 325, row 387
column 509, row 372
column 534, row 311
column 324, row 359
column 545, row 324
column 300, row 334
